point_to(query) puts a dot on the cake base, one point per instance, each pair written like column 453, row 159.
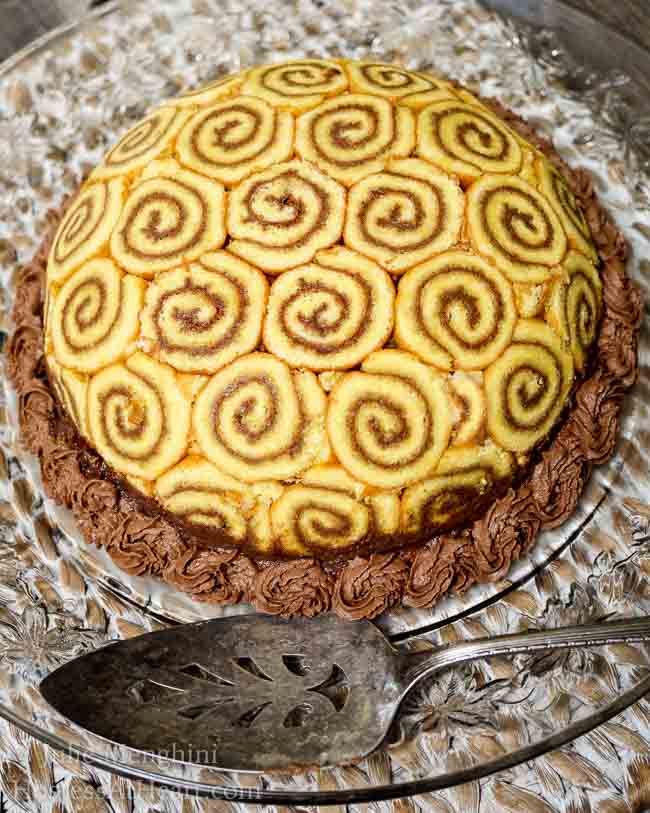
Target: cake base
column 143, row 542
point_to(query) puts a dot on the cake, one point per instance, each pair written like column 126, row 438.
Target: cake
column 324, row 334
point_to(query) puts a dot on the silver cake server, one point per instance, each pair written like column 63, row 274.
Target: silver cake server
column 256, row 693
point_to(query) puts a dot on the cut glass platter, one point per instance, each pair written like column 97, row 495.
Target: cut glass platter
column 470, row 735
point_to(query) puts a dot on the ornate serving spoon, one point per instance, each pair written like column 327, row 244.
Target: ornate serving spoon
column 256, row 693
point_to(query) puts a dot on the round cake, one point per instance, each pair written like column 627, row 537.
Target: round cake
column 317, row 322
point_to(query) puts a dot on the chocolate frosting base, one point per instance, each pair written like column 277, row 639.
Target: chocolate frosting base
column 142, row 541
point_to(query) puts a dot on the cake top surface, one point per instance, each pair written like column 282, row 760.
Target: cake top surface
column 320, row 303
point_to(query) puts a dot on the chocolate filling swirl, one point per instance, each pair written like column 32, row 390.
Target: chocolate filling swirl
column 81, row 220
column 455, row 311
column 194, row 309
column 466, row 139
column 406, row 214
column 387, row 76
column 125, row 421
column 302, row 78
column 140, row 139
column 253, row 419
column 85, row 308
column 315, row 323
column 346, row 134
column 291, row 210
column 159, row 216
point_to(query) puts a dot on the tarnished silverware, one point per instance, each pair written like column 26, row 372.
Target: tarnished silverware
column 256, row 693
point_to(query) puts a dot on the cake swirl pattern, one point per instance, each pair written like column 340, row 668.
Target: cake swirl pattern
column 330, row 315
column 468, row 395
column 173, row 216
column 390, row 423
column 405, row 214
column 527, row 387
column 410, row 88
column 455, row 311
column 71, row 389
column 562, row 199
column 320, row 308
column 138, row 416
column 575, row 306
column 200, row 319
column 212, row 92
column 85, row 229
column 467, row 140
column 95, row 316
column 197, row 492
column 463, row 477
column 258, row 420
column 232, row 139
column 352, row 136
column 283, row 216
column 323, row 511
column 297, row 85
column 516, row 227
column 142, row 143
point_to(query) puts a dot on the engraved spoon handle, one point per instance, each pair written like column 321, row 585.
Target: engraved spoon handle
column 418, row 666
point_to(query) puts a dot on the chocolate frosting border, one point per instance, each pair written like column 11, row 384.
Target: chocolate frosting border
column 142, row 543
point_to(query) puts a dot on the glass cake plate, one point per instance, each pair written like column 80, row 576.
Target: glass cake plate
column 470, row 735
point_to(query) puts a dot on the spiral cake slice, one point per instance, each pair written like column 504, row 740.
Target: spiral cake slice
column 94, row 318
column 528, row 386
column 257, row 420
column 562, row 199
column 455, row 311
column 86, row 228
column 230, row 140
column 200, row 493
column 405, row 214
column 469, row 398
column 71, row 389
column 212, row 92
column 297, row 85
column 139, row 416
column 281, row 217
column 467, row 140
column 390, row 423
column 201, row 318
column 171, row 216
column 462, row 479
column 143, row 143
column 410, row 88
column 355, row 135
column 575, row 306
column 512, row 224
column 330, row 315
column 322, row 514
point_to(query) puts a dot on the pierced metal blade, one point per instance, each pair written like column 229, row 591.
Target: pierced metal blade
column 249, row 693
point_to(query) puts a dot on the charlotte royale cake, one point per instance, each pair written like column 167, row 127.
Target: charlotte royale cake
column 324, row 334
